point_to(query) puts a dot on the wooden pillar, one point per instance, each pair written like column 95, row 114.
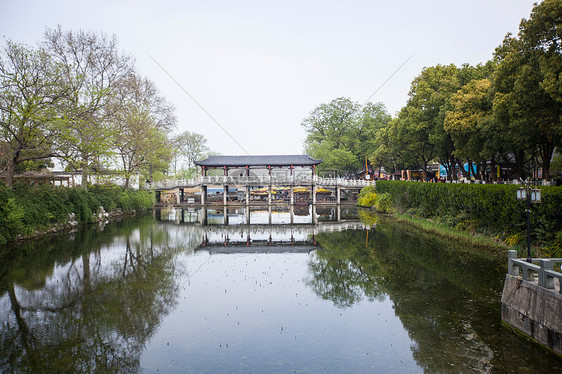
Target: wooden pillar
column 314, row 218
column 204, row 217
column 225, row 194
column 269, row 194
column 178, row 196
column 338, row 213
column 269, row 214
column 313, row 194
column 247, row 171
column 292, row 208
column 292, row 193
column 247, row 195
column 338, row 195
column 203, row 194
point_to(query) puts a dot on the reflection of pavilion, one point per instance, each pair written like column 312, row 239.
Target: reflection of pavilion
column 244, row 230
column 247, row 180
column 286, row 215
column 256, row 249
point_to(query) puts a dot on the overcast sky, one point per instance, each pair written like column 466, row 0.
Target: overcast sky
column 260, row 67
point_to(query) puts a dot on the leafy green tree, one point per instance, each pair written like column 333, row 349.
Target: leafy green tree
column 540, row 34
column 373, row 119
column 328, row 128
column 471, row 124
column 527, row 102
column 420, row 122
column 31, row 88
column 342, row 134
column 386, row 151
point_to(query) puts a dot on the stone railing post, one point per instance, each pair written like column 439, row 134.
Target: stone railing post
column 545, row 280
column 528, row 273
column 512, row 269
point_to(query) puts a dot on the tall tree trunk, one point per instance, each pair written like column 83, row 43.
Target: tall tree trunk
column 464, row 172
column 518, row 166
column 10, row 172
column 85, row 173
column 546, row 156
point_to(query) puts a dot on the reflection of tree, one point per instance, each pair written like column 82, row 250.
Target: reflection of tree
column 342, row 271
column 97, row 310
column 447, row 295
column 443, row 297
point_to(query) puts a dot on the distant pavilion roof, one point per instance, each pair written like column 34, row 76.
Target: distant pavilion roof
column 243, row 161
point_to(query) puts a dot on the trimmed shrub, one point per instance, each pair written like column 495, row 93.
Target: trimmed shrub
column 25, row 209
column 486, row 208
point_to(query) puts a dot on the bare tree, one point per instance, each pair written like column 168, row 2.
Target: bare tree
column 191, row 146
column 93, row 69
column 142, row 123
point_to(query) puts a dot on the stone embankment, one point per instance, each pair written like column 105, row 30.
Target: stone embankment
column 101, row 218
column 533, row 304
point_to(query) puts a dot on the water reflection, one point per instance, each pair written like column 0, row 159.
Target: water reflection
column 305, row 290
column 445, row 294
column 272, row 215
column 88, row 302
column 283, row 229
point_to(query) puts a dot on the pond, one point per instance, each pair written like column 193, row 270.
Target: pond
column 279, row 290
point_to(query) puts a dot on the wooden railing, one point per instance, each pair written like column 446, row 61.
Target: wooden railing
column 544, row 270
column 294, row 180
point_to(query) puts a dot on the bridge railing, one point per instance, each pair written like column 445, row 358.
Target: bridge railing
column 262, row 180
column 545, row 270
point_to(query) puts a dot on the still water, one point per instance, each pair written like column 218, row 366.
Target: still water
column 262, row 291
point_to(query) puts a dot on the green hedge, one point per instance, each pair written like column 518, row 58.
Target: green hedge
column 487, row 208
column 25, row 209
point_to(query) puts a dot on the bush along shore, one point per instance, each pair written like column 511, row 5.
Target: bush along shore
column 27, row 211
column 473, row 212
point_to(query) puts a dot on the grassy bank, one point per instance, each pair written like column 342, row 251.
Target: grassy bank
column 442, row 230
column 483, row 215
column 27, row 210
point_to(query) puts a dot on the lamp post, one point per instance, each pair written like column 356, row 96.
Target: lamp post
column 529, row 195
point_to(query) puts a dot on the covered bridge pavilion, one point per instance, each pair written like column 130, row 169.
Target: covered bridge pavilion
column 291, row 178
column 280, row 169
column 275, row 165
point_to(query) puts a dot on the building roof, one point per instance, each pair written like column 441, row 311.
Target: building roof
column 243, row 161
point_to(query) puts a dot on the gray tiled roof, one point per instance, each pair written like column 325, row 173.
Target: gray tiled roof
column 242, row 161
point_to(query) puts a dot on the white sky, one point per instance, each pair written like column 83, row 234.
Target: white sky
column 260, row 67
